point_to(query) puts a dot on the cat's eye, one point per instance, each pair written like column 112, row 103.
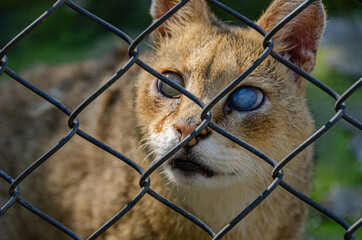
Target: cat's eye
column 167, row 90
column 245, row 99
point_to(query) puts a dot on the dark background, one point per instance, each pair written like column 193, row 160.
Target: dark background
column 67, row 36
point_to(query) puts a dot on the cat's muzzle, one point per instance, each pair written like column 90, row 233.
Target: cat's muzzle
column 188, row 165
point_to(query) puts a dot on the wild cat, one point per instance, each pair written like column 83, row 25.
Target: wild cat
column 213, row 178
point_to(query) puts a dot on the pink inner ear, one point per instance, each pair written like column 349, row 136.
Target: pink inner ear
column 302, row 46
column 303, row 41
column 298, row 40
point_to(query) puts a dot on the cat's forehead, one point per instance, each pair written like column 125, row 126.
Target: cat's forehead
column 212, row 50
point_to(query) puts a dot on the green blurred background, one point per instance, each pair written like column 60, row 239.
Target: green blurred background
column 66, row 36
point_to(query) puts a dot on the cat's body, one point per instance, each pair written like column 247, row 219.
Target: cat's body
column 212, row 177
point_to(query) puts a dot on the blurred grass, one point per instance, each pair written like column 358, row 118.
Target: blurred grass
column 68, row 37
column 320, row 229
column 336, row 164
column 334, row 155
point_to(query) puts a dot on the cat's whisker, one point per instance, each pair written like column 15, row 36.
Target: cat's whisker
column 152, row 152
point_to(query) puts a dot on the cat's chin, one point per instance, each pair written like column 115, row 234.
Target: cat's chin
column 189, row 166
column 198, row 179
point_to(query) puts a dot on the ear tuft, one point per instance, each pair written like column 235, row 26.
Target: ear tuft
column 299, row 39
column 192, row 11
column 160, row 7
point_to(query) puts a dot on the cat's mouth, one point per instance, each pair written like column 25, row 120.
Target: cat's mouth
column 188, row 166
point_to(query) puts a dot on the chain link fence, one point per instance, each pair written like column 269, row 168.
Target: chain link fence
column 145, row 187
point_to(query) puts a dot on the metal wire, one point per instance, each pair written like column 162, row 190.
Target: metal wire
column 145, row 187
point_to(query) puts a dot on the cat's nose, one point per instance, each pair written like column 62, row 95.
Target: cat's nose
column 185, row 129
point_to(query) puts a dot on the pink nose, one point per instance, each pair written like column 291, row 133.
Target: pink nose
column 185, row 129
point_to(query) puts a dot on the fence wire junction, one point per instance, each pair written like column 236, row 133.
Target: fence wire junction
column 145, row 186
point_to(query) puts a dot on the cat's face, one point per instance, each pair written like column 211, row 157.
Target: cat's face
column 267, row 109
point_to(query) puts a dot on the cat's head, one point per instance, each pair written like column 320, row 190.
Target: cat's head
column 267, row 110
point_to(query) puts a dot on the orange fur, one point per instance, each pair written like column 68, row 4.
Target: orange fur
column 83, row 186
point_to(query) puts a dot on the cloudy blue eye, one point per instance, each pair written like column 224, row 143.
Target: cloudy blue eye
column 245, row 99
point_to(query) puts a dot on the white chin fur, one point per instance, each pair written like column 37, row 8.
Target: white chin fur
column 197, row 180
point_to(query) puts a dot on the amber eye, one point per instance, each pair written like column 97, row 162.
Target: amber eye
column 167, row 90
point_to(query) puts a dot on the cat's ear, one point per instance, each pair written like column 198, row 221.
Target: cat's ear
column 299, row 39
column 192, row 11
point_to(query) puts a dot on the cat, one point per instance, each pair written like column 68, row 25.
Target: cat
column 142, row 117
